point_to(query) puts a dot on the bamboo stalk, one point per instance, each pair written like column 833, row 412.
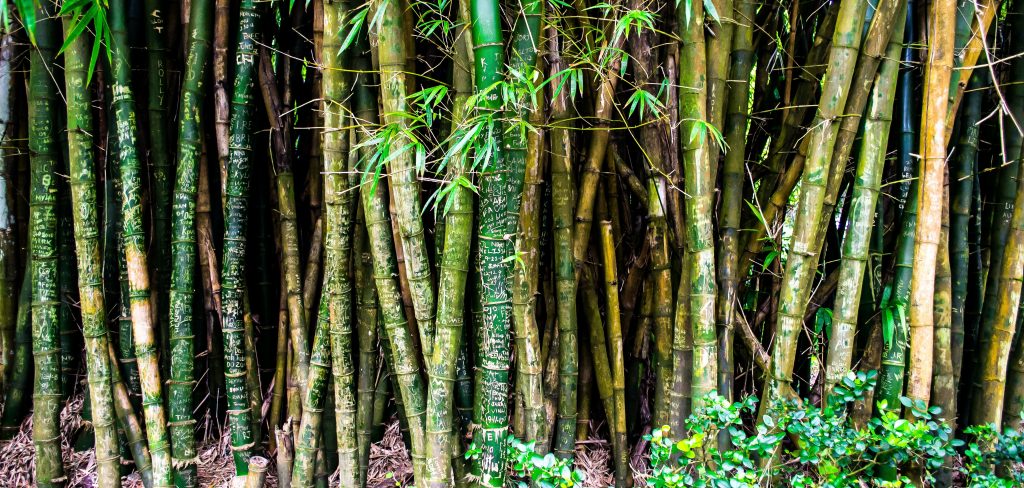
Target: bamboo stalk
column 406, row 364
column 805, row 244
column 876, row 40
column 616, row 356
column 9, row 127
column 929, row 220
column 525, row 158
column 700, row 204
column 183, row 250
column 369, row 369
column 893, row 353
column 998, row 318
column 866, row 189
column 128, row 421
column 288, row 225
column 236, row 189
column 20, row 372
column 277, row 397
column 257, row 472
column 308, row 437
column 737, row 113
column 454, row 264
column 562, row 199
column 983, row 15
column 394, row 38
column 498, row 183
column 340, row 177
column 86, row 236
column 988, row 406
column 943, row 393
column 961, row 178
column 44, row 155
column 158, row 99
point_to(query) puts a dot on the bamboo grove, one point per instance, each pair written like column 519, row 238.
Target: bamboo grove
column 294, row 221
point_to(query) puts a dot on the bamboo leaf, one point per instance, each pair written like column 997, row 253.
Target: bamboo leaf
column 757, row 213
column 27, row 11
column 79, row 24
column 710, row 10
column 355, row 26
column 100, row 32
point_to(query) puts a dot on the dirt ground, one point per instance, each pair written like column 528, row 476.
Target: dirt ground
column 390, row 465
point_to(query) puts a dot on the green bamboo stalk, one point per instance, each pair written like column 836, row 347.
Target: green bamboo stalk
column 893, row 358
column 524, row 153
column 661, row 277
column 126, row 338
column 562, row 200
column 366, row 300
column 617, row 358
column 67, row 282
column 366, row 321
column 883, row 24
column 393, row 51
column 158, row 100
column 719, row 69
column 209, row 276
column 288, row 226
column 773, row 198
column 277, row 395
column 490, row 402
column 240, row 413
column 113, row 253
column 454, row 266
column 590, row 173
column 308, row 437
column 737, row 111
column 680, row 362
column 406, row 364
column 339, row 177
column 907, row 117
column 600, row 367
column 86, row 242
column 803, row 254
column 252, row 373
column 128, row 421
column 961, row 180
column 183, row 247
column 700, row 203
column 464, row 382
column 525, row 292
column 866, row 188
column 21, row 367
column 44, row 157
column 943, row 393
